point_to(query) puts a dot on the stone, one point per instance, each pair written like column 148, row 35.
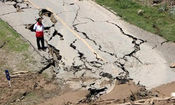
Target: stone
column 172, row 65
column 52, row 18
column 140, row 12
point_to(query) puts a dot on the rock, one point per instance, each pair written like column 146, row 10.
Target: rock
column 172, row 65
column 107, row 75
column 52, row 18
column 140, row 12
column 18, row 9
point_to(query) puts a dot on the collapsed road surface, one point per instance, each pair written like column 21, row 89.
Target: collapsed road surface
column 92, row 44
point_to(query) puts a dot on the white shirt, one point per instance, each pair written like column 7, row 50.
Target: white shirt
column 38, row 28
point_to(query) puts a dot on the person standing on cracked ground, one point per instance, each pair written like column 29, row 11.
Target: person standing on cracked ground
column 39, row 29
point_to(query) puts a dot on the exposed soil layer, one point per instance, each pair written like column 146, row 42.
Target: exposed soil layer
column 29, row 88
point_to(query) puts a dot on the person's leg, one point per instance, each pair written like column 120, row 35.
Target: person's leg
column 4, row 1
column 42, row 42
column 38, row 43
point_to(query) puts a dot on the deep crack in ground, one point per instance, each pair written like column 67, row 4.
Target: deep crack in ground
column 87, row 37
column 137, row 43
column 89, row 65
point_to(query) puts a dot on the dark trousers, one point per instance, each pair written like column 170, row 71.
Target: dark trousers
column 38, row 40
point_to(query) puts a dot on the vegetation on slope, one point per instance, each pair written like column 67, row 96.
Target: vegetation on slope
column 154, row 19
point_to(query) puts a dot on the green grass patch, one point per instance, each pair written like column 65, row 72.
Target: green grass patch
column 9, row 35
column 127, row 9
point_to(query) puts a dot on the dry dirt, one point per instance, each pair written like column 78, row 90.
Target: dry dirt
column 165, row 90
column 27, row 89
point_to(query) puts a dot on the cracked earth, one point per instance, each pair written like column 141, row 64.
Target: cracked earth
column 88, row 45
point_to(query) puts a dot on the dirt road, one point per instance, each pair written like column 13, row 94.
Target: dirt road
column 96, row 46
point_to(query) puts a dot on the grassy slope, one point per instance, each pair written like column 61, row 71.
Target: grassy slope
column 14, row 42
column 127, row 9
column 15, row 55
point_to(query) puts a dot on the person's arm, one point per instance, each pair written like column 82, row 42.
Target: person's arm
column 34, row 27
